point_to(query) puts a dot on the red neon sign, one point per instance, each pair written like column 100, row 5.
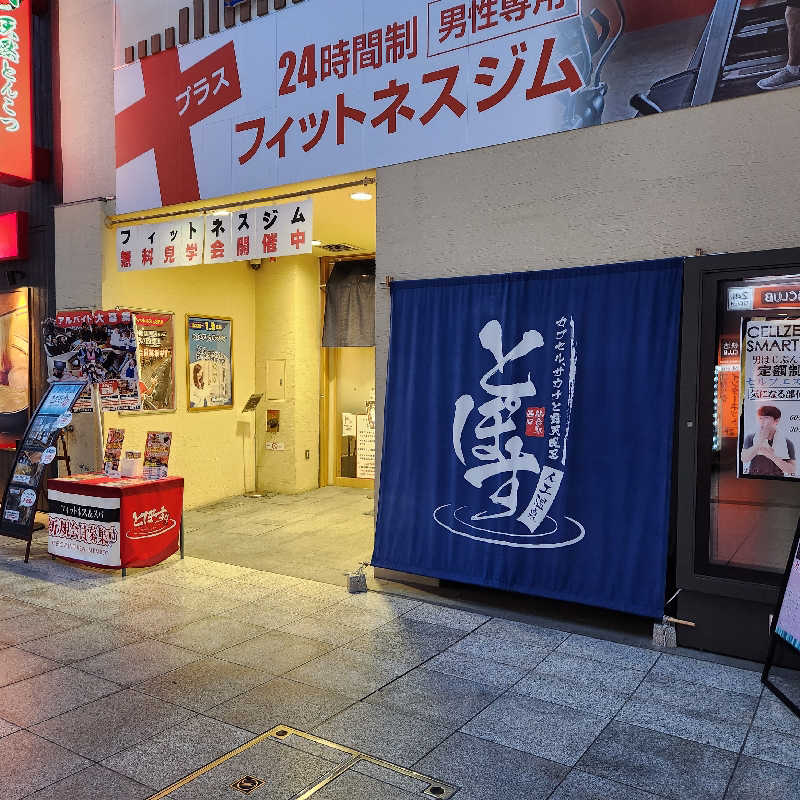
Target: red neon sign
column 13, row 236
column 16, row 92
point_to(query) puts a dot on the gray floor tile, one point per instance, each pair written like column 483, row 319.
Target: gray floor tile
column 587, row 671
column 270, row 617
column 285, row 771
column 275, row 652
column 571, row 693
column 16, row 665
column 355, row 786
column 412, row 786
column 523, row 633
column 322, row 630
column 36, row 699
column 621, row 655
column 440, row 697
column 348, row 672
column 535, row 726
column 204, row 684
column 757, row 780
column 483, row 769
column 186, row 578
column 13, row 608
column 167, row 757
column 212, row 634
column 86, row 641
column 718, row 676
column 479, row 645
column 95, row 783
column 137, row 662
column 114, row 723
column 583, row 786
column 36, row 624
column 691, row 711
column 7, row 727
column 780, row 748
column 153, row 619
column 384, row 733
column 364, row 620
column 28, row 763
column 480, row 670
column 773, row 715
column 405, row 632
column 280, row 702
column 657, row 763
column 451, row 617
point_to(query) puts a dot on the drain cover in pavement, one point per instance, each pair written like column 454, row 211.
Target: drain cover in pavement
column 299, row 765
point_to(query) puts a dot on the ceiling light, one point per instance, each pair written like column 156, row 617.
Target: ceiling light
column 362, row 196
column 316, row 243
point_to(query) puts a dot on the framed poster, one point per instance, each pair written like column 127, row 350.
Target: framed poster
column 769, row 433
column 209, row 363
column 156, row 346
column 14, row 365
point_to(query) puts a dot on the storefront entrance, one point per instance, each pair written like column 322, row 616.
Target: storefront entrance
column 739, row 440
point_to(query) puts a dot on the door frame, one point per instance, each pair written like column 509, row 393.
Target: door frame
column 328, row 405
column 701, row 276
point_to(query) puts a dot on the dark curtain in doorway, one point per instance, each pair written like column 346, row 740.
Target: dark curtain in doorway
column 350, row 305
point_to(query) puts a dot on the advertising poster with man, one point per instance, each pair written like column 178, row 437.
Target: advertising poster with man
column 210, row 363
column 770, row 421
column 154, row 335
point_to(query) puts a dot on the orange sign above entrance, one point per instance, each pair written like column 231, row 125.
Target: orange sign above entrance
column 16, row 92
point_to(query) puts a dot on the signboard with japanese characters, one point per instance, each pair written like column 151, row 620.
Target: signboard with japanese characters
column 99, row 347
column 16, row 92
column 35, row 453
column 510, row 464
column 365, row 447
column 769, row 432
column 316, row 92
column 178, row 243
column 155, row 337
column 256, row 233
column 156, row 455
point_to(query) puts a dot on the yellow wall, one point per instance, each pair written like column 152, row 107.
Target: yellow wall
column 209, row 448
column 288, row 328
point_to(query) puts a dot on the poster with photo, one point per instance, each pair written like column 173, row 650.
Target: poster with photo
column 769, row 430
column 99, row 347
column 209, row 367
column 113, row 452
column 156, row 455
column 155, row 338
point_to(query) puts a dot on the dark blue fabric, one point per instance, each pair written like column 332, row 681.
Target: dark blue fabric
column 599, row 536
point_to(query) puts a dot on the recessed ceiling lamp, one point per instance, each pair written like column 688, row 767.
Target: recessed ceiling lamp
column 316, row 243
column 362, row 196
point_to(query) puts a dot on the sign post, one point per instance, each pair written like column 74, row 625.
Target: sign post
column 786, row 623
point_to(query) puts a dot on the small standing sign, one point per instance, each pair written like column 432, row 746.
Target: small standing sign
column 786, row 623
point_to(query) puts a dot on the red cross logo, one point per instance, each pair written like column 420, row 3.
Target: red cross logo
column 173, row 102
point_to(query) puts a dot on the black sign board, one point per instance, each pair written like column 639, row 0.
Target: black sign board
column 36, row 451
column 252, row 403
column 786, row 623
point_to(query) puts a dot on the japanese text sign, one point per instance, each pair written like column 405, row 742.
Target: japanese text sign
column 178, row 243
column 16, row 92
column 255, row 233
column 310, row 94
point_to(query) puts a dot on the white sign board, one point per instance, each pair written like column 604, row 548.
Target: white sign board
column 178, row 243
column 302, row 95
column 365, row 447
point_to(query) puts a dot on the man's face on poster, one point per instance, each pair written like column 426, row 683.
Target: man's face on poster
column 767, row 426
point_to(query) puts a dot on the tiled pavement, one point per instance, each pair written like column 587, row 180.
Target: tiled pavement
column 115, row 688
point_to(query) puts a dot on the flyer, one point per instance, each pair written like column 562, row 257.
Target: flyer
column 769, row 429
column 156, row 455
column 155, row 338
column 99, row 347
column 113, row 451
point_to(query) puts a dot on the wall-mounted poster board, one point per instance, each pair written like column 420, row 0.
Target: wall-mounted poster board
column 155, row 337
column 38, row 449
column 14, row 366
column 786, row 623
column 209, row 362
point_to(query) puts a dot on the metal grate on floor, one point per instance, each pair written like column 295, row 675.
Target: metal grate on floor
column 343, row 759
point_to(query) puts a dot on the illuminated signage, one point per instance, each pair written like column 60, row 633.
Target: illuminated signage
column 13, row 236
column 16, row 92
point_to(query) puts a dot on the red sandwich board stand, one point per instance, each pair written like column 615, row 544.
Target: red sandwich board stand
column 115, row 522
